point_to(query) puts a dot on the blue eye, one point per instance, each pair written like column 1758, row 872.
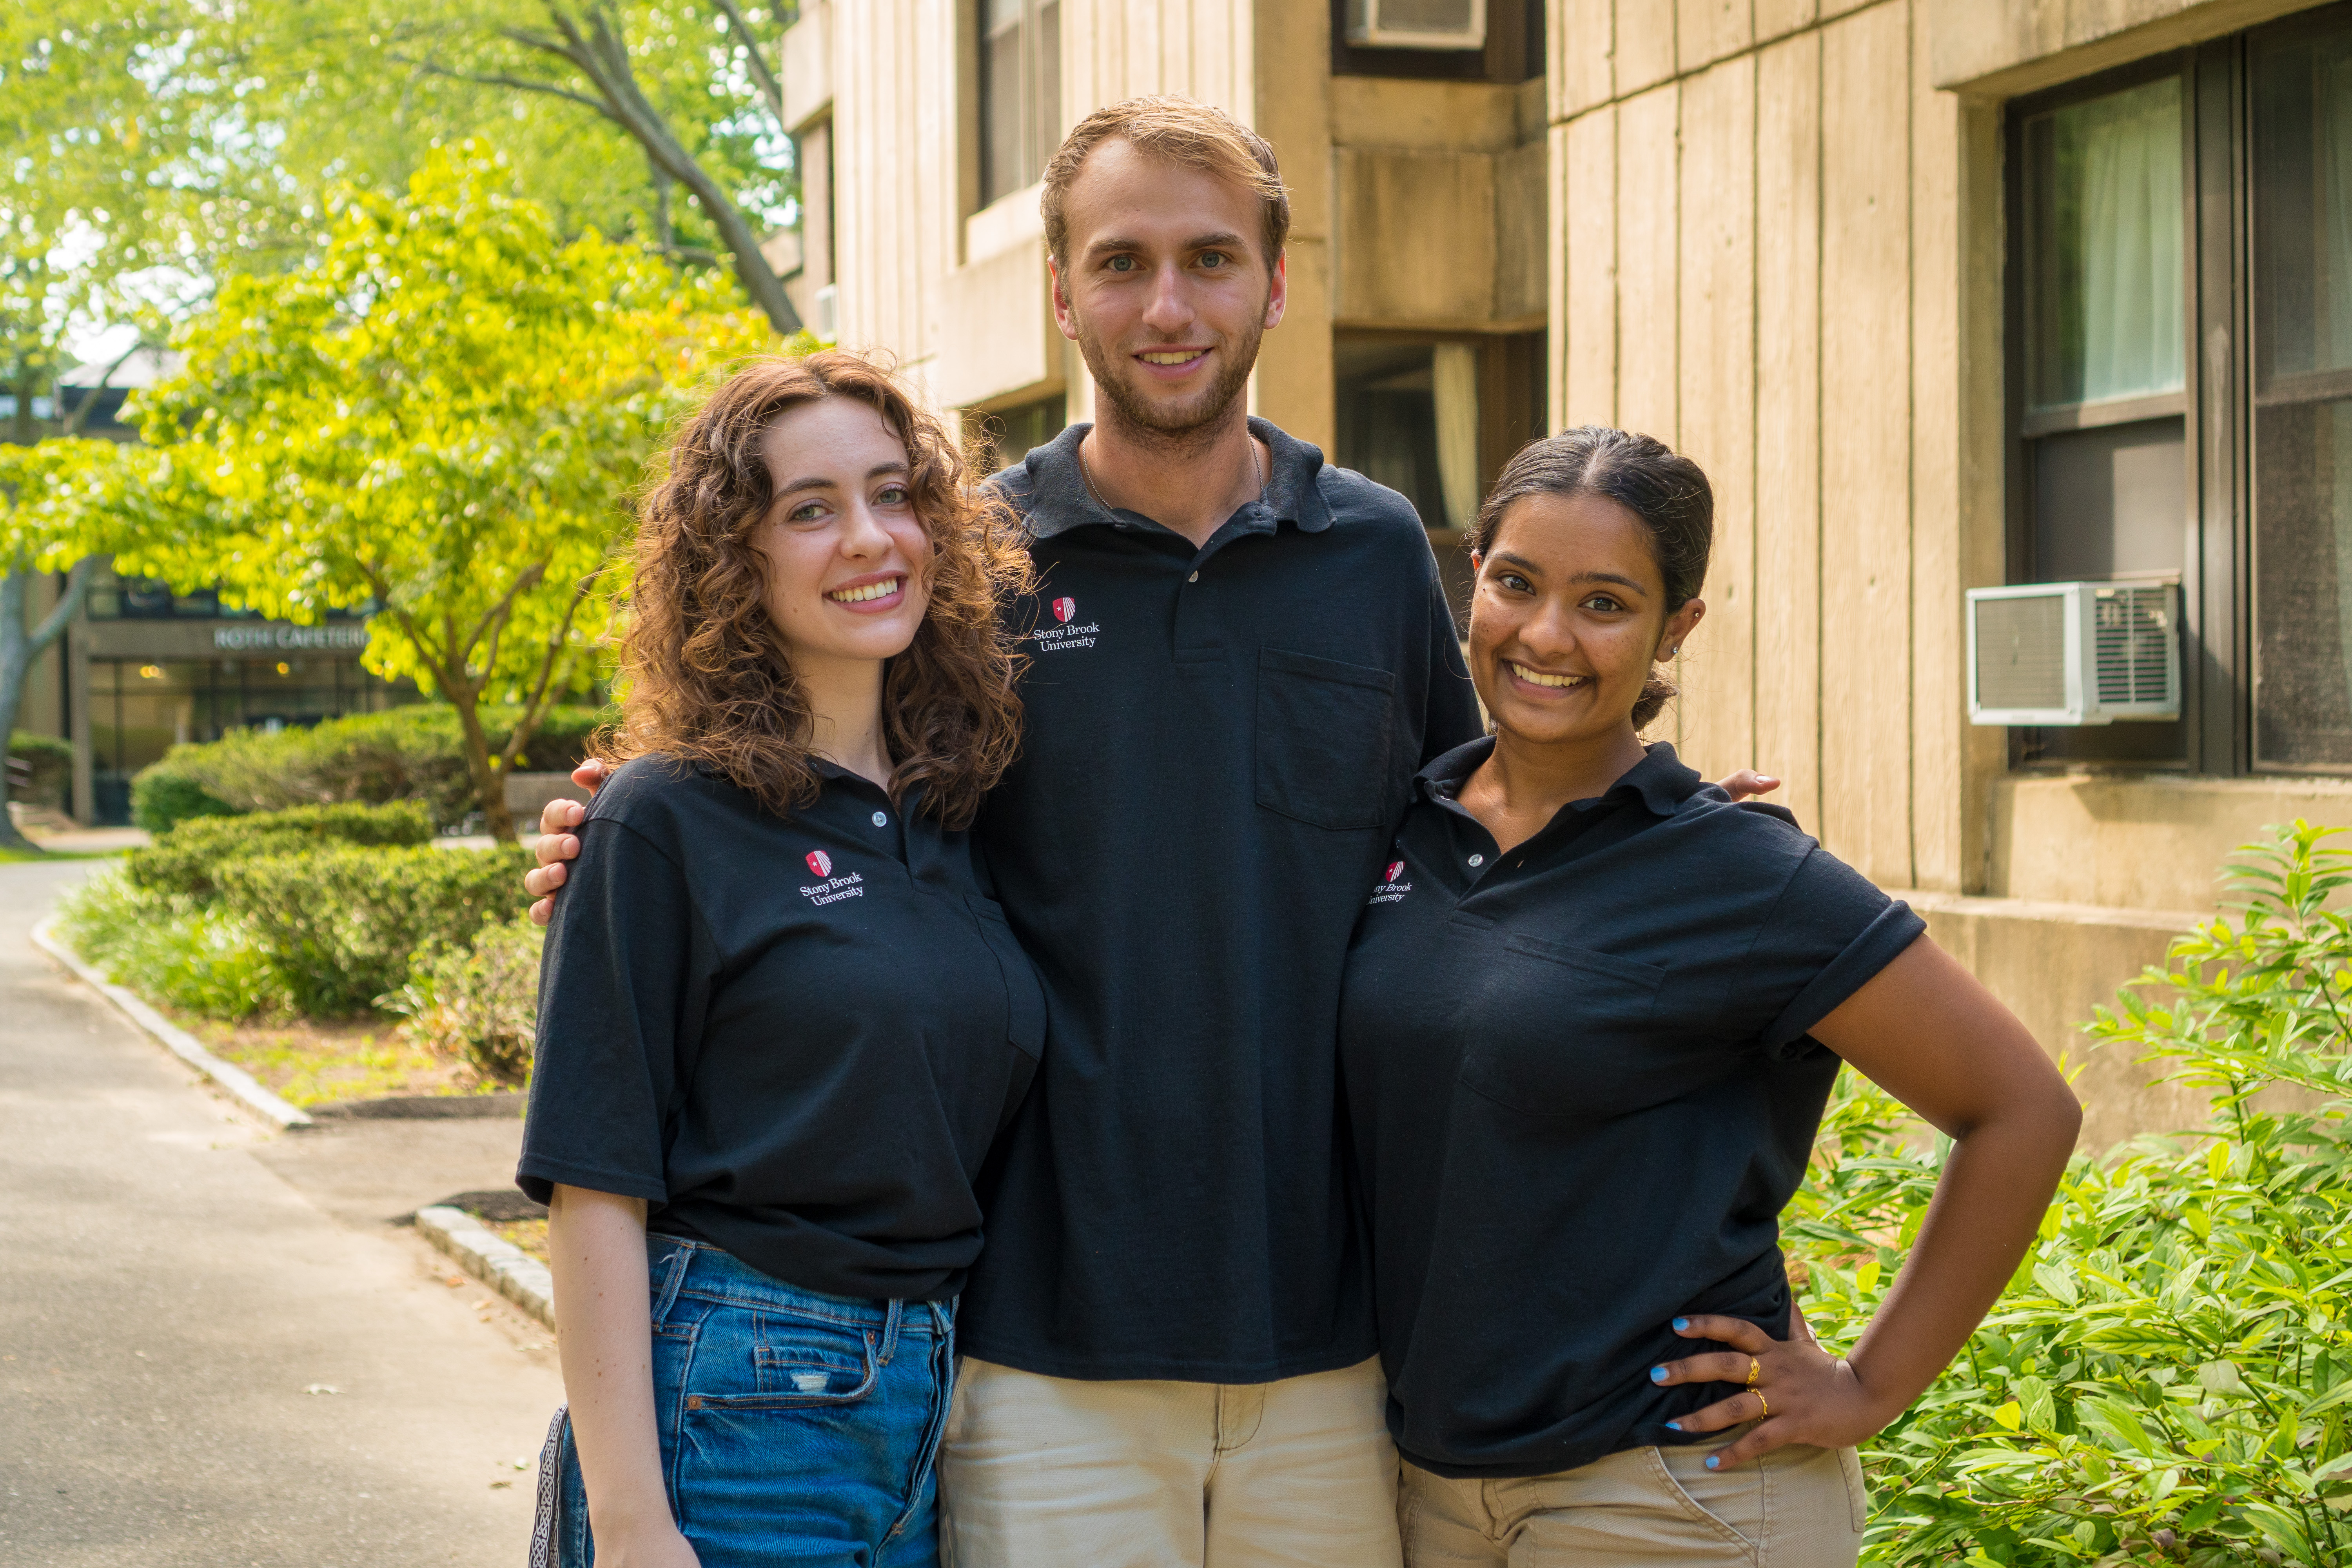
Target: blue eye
column 1213, row 258
column 893, row 495
column 1120, row 263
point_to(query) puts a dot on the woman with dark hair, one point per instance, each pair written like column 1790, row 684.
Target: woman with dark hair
column 1593, row 1015
column 760, row 1102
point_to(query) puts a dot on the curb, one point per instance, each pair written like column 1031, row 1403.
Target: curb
column 239, row 1083
column 502, row 1265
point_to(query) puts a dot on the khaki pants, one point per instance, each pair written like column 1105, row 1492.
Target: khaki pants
column 1661, row 1508
column 1055, row 1472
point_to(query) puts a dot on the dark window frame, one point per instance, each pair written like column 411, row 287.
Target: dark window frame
column 1514, row 51
column 1037, row 124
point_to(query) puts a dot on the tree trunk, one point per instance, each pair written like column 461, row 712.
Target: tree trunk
column 21, row 648
column 489, row 783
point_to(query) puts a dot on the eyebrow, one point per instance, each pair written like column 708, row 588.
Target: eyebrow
column 1223, row 241
column 1510, row 559
column 816, row 482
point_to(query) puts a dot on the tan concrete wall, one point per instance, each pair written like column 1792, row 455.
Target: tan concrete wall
column 2141, row 842
column 2003, row 47
column 1761, row 215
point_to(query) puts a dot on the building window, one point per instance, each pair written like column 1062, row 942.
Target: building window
column 1423, row 39
column 1020, row 93
column 1001, row 437
column 2182, row 390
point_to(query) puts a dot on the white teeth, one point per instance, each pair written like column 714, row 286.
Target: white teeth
column 881, row 590
column 1537, row 678
column 1170, row 358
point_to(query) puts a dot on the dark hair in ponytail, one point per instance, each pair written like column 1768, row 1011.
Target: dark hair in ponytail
column 1669, row 494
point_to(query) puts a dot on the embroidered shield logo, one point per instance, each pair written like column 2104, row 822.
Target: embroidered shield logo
column 1396, row 869
column 1064, row 609
column 820, row 862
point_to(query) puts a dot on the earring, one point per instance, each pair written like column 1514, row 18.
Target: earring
column 1673, row 650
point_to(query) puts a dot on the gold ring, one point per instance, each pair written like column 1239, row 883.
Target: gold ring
column 1755, row 1371
column 1762, row 1408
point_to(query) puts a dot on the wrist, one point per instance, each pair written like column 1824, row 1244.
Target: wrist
column 1882, row 1403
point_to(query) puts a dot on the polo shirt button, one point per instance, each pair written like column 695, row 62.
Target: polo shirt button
column 1477, row 859
column 880, row 820
column 1193, row 578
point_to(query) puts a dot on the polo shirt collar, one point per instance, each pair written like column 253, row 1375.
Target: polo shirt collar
column 1659, row 781
column 1059, row 499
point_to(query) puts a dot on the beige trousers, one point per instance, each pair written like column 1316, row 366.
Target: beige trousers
column 1659, row 1508
column 1057, row 1472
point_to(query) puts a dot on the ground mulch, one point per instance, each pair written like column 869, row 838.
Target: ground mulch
column 307, row 1062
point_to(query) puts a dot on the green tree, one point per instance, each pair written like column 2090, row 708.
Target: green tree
column 440, row 418
column 56, row 498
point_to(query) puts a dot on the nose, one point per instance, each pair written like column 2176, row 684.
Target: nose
column 1549, row 632
column 1169, row 310
column 862, row 533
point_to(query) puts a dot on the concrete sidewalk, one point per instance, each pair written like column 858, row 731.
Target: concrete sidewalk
column 176, row 1283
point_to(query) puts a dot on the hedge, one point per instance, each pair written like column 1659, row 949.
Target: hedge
column 188, row 858
column 51, row 762
column 415, row 753
column 342, row 924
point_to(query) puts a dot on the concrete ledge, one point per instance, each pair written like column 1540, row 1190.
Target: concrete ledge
column 502, row 1265
column 239, row 1083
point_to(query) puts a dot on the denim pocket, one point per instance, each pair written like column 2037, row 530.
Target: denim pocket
column 769, row 1361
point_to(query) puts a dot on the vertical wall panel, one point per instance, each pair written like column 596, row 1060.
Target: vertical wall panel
column 1787, row 421
column 1717, row 415
column 1938, row 690
column 1865, row 442
column 1643, row 51
column 1647, row 261
column 1589, row 202
column 1775, row 17
column 1581, row 41
column 1708, row 30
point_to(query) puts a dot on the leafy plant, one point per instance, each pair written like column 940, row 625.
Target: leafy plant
column 47, row 764
column 478, row 1003
column 188, row 859
column 170, row 949
column 164, row 796
column 343, row 925
column 2170, row 1375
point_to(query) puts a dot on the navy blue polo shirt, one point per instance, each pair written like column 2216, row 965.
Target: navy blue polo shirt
column 1582, row 1091
column 805, row 1066
column 1219, row 740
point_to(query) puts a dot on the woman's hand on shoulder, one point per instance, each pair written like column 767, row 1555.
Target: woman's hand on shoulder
column 1747, row 782
column 1800, row 1393
column 557, row 842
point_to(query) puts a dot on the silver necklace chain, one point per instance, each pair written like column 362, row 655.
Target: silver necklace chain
column 1085, row 474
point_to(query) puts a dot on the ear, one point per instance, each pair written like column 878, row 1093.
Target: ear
column 1678, row 628
column 1064, row 316
column 1277, row 291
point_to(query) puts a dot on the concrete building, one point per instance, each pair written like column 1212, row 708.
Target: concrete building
column 1945, row 294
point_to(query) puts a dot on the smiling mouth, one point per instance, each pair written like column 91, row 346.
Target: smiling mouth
column 1537, row 678
column 860, row 596
column 1172, row 357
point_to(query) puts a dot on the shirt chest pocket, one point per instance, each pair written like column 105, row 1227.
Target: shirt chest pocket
column 1025, row 998
column 1323, row 737
column 1566, row 1031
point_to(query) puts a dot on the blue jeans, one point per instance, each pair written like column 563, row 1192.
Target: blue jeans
column 796, row 1427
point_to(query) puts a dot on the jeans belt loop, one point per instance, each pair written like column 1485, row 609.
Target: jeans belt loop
column 671, row 1285
column 890, row 1321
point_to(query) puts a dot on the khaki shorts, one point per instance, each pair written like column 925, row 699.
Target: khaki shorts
column 1661, row 1508
column 1057, row 1472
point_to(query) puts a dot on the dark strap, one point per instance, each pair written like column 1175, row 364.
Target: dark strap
column 550, row 1470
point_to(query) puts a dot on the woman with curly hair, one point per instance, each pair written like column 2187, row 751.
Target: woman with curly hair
column 760, row 1102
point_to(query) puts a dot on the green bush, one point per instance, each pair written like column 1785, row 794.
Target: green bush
column 170, row 949
column 50, row 762
column 481, row 1002
column 414, row 753
column 164, row 796
column 343, row 925
column 186, row 859
column 2170, row 1375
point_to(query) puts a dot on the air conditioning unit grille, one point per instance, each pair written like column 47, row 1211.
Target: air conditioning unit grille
column 1417, row 24
column 2021, row 652
column 2131, row 636
column 1426, row 16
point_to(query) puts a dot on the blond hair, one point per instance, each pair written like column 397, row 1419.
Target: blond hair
column 1180, row 130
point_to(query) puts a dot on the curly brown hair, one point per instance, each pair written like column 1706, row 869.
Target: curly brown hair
column 704, row 671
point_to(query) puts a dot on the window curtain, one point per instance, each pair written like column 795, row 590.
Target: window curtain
column 2125, row 153
column 2332, row 299
column 1454, row 380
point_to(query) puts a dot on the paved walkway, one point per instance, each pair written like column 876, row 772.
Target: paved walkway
column 170, row 1288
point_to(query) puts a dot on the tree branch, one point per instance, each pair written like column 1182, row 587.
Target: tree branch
column 520, row 84
column 54, row 624
column 81, row 416
column 770, row 87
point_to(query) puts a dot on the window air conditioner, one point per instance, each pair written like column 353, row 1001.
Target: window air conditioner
column 827, row 325
column 2074, row 653
column 1417, row 24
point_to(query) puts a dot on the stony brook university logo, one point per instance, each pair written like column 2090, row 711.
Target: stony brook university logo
column 829, row 888
column 820, row 862
column 1066, row 633
column 1064, row 608
column 1393, row 887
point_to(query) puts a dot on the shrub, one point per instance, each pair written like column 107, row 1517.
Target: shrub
column 172, row 950
column 343, row 925
column 48, row 768
column 479, row 1004
column 186, row 859
column 2170, row 1375
column 412, row 753
column 164, row 796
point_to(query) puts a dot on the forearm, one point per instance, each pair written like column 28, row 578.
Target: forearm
column 1988, row 1205
column 596, row 1250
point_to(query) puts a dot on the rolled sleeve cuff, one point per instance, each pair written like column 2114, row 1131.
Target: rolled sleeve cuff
column 1895, row 929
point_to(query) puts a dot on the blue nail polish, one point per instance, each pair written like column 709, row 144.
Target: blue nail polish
column 1681, row 1323
column 1674, row 1426
column 1657, row 1374
column 1714, row 1461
